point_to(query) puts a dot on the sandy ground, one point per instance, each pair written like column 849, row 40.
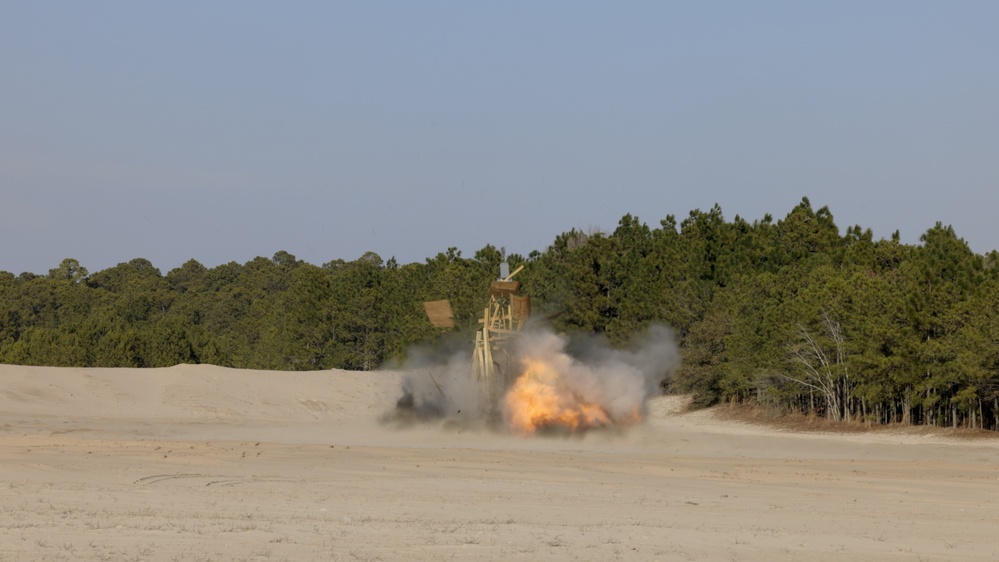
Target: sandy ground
column 205, row 463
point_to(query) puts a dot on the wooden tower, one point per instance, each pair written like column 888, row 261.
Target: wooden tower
column 502, row 320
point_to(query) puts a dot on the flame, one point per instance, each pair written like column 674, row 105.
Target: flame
column 541, row 398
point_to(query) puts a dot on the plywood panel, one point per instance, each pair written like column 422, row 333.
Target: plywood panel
column 439, row 313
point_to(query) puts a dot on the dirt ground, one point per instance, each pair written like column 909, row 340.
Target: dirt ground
column 199, row 463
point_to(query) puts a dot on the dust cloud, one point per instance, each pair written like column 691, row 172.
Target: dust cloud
column 555, row 381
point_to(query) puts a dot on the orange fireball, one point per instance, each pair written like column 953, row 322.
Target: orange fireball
column 541, row 398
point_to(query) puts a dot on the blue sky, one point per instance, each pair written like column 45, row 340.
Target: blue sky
column 221, row 131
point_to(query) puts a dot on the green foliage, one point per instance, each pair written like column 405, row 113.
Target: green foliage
column 788, row 312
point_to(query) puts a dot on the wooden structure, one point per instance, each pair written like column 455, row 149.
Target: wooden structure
column 502, row 320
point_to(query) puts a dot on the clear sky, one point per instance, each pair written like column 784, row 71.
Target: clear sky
column 222, row 131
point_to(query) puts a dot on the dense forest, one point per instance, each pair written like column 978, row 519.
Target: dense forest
column 790, row 313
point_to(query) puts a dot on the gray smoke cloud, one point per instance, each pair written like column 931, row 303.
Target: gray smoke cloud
column 443, row 390
column 439, row 385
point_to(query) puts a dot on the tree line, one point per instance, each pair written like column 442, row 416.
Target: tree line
column 789, row 313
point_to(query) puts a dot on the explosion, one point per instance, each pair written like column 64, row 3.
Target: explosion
column 541, row 399
column 593, row 387
column 555, row 391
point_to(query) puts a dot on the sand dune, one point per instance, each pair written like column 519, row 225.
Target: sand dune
column 206, row 463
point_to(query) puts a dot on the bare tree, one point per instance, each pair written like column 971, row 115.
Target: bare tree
column 821, row 365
